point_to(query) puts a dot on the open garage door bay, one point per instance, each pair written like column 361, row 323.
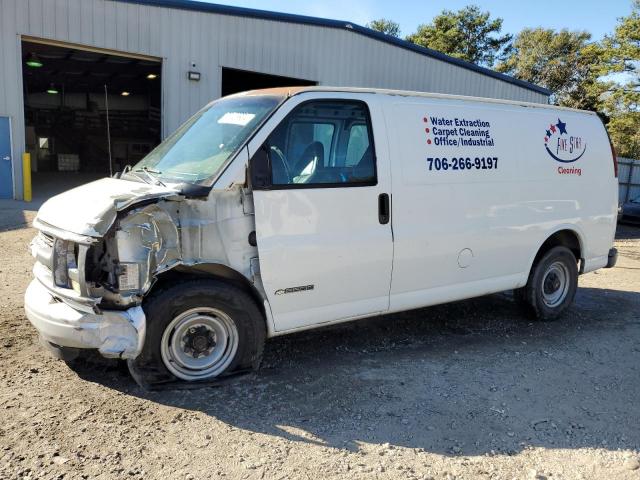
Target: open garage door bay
column 69, row 94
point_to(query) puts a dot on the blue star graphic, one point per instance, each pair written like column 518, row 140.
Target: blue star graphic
column 561, row 126
column 548, row 133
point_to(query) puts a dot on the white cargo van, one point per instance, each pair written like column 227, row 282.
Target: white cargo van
column 279, row 210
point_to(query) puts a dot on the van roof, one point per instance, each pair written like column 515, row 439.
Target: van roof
column 291, row 91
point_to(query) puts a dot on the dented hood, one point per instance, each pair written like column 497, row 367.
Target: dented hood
column 91, row 208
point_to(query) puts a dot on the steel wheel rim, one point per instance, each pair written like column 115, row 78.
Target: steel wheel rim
column 199, row 343
column 555, row 284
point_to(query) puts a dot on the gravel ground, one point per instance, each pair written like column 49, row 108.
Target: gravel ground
column 466, row 390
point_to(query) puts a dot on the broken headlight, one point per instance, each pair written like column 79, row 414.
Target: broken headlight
column 65, row 265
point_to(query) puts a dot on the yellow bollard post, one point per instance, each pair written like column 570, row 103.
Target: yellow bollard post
column 26, row 176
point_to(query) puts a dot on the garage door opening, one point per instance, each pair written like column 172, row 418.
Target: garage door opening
column 65, row 109
column 234, row 81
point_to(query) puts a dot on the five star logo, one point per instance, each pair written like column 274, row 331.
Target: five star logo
column 562, row 146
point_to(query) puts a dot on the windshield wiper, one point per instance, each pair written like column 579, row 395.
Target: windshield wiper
column 151, row 174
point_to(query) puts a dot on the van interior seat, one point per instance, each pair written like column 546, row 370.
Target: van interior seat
column 313, row 151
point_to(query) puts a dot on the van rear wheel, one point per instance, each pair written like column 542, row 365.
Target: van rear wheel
column 551, row 286
column 198, row 330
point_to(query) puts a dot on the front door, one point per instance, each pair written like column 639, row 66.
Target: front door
column 323, row 229
column 6, row 178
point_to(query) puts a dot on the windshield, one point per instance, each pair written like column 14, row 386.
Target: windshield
column 202, row 146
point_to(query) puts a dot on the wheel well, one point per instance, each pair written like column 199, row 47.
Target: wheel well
column 563, row 238
column 211, row 270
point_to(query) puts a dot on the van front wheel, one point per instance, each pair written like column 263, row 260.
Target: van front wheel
column 198, row 330
column 551, row 286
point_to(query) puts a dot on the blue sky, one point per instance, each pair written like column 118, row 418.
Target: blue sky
column 596, row 16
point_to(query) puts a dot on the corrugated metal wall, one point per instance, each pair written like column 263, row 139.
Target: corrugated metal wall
column 326, row 55
column 628, row 179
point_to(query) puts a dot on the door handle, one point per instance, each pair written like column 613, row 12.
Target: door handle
column 384, row 210
column 6, row 158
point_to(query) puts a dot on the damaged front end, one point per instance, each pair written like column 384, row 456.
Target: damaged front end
column 75, row 300
column 123, row 265
column 90, row 284
column 62, row 304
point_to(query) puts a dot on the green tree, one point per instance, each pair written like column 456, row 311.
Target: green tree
column 620, row 68
column 601, row 76
column 565, row 62
column 469, row 34
column 624, row 129
column 385, row 26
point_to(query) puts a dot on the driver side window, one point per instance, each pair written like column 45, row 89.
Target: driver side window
column 323, row 143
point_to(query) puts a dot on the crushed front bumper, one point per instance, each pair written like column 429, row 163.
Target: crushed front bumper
column 115, row 334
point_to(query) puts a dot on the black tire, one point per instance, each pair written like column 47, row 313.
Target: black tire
column 167, row 302
column 532, row 297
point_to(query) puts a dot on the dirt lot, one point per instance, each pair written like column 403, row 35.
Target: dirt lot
column 469, row 390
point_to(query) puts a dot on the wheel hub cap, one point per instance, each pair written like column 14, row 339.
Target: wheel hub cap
column 199, row 343
column 555, row 284
column 552, row 283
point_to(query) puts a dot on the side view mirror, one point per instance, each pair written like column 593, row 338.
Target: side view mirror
column 260, row 169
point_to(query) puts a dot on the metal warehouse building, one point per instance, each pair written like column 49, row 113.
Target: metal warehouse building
column 153, row 63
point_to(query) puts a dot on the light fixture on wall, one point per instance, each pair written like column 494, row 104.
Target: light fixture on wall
column 33, row 61
column 194, row 76
column 152, row 76
column 125, row 94
column 52, row 90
